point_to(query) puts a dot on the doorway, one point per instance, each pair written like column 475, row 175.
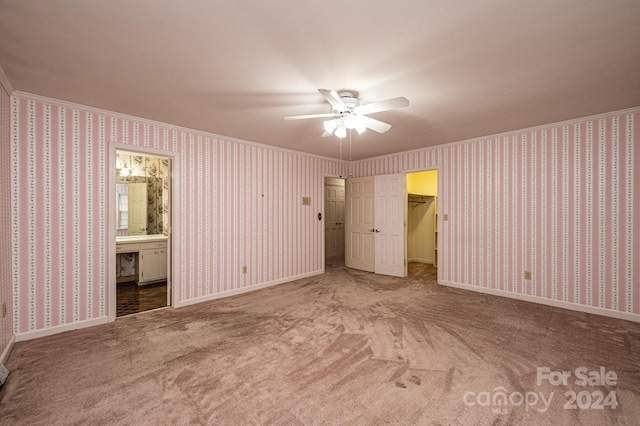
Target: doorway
column 391, row 222
column 422, row 217
column 334, row 213
column 142, row 232
column 375, row 224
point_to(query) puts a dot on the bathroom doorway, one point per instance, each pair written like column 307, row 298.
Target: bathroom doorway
column 142, row 231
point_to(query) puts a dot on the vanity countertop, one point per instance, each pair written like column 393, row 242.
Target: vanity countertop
column 141, row 238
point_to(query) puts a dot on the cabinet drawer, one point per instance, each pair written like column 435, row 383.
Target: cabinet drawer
column 160, row 244
column 127, row 248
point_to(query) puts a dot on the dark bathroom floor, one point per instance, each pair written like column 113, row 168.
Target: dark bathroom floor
column 132, row 298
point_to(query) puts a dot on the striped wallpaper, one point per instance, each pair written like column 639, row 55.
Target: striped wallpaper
column 6, row 257
column 558, row 201
column 240, row 206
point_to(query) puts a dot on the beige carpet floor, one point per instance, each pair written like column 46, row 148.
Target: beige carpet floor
column 346, row 347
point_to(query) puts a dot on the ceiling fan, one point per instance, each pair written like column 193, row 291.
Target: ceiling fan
column 347, row 113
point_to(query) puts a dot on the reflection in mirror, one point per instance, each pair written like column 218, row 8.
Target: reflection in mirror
column 122, row 207
column 138, row 209
column 140, row 206
column 142, row 194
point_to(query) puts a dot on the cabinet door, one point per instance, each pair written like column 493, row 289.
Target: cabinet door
column 148, row 265
column 153, row 264
column 162, row 263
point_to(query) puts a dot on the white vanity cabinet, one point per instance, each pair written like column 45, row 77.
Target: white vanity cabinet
column 152, row 255
column 153, row 262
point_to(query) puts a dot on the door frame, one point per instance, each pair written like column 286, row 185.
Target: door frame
column 173, row 280
column 324, row 214
column 441, row 195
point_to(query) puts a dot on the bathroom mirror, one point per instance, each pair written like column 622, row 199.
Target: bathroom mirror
column 142, row 194
column 139, row 205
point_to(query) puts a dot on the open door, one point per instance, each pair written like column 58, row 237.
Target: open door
column 390, row 245
column 359, row 229
column 375, row 224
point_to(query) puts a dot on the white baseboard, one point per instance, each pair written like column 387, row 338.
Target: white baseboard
column 20, row 337
column 244, row 289
column 549, row 302
column 7, row 350
column 105, row 319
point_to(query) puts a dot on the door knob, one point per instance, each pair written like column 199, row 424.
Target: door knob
column 372, row 230
column 377, row 230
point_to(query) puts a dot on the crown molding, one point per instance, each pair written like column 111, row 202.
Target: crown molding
column 632, row 110
column 4, row 81
column 67, row 104
column 38, row 98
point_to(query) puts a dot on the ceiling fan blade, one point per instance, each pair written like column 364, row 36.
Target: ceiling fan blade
column 327, row 134
column 304, row 117
column 381, row 106
column 334, row 99
column 376, row 125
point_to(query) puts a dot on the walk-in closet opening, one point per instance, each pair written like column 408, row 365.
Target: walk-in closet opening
column 422, row 217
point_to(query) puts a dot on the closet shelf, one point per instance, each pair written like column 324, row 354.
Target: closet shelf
column 419, row 198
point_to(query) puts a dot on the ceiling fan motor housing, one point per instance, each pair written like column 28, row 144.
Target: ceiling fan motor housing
column 349, row 101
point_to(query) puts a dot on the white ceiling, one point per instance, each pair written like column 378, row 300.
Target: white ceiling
column 237, row 67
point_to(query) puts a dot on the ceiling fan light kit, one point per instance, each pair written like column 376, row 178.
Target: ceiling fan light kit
column 348, row 114
column 330, row 126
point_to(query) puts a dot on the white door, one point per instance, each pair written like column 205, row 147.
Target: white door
column 138, row 208
column 359, row 226
column 334, row 217
column 390, row 213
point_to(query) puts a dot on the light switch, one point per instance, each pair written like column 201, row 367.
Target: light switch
column 306, row 201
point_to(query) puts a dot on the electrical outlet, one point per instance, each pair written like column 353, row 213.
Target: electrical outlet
column 527, row 275
column 244, row 269
column 306, row 201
